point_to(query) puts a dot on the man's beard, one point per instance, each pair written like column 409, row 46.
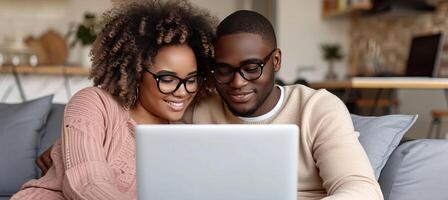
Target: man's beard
column 250, row 111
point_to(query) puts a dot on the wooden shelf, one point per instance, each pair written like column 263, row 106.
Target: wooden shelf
column 347, row 11
column 363, row 103
column 48, row 70
column 331, row 85
column 383, row 82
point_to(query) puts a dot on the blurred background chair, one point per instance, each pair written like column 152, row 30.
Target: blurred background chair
column 437, row 117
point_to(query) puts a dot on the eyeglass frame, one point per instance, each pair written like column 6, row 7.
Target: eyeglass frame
column 181, row 82
column 238, row 69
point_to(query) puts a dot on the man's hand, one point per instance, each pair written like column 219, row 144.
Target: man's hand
column 44, row 161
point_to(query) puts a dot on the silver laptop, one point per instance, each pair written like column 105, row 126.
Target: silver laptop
column 219, row 162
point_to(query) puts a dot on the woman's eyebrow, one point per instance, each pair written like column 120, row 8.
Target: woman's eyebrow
column 166, row 72
column 192, row 73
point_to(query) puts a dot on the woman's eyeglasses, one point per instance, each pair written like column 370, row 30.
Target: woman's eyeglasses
column 169, row 84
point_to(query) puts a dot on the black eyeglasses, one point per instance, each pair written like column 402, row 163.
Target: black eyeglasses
column 169, row 84
column 225, row 73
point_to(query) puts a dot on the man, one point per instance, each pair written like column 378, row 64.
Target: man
column 332, row 163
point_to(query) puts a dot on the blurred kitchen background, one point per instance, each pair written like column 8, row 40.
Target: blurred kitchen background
column 44, row 46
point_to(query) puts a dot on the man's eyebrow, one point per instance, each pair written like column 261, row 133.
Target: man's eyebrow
column 247, row 61
column 251, row 60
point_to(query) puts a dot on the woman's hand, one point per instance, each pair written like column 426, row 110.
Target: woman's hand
column 44, row 161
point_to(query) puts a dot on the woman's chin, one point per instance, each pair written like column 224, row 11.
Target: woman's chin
column 174, row 116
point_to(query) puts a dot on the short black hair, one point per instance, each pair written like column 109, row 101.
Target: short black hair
column 246, row 21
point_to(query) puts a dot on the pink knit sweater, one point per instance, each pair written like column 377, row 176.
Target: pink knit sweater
column 95, row 158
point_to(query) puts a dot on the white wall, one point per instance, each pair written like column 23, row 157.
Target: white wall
column 300, row 31
column 222, row 8
column 34, row 17
column 421, row 102
column 23, row 18
column 219, row 8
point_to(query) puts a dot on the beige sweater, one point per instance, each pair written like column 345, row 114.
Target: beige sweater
column 332, row 162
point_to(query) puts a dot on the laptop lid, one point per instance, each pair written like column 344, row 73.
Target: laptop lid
column 424, row 55
column 219, row 162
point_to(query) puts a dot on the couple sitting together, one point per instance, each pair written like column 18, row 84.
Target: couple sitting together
column 165, row 62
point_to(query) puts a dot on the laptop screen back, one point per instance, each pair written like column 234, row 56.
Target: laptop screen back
column 424, row 55
column 219, row 162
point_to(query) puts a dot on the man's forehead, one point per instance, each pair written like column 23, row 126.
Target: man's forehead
column 240, row 46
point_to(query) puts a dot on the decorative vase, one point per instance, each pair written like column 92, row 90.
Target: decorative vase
column 331, row 74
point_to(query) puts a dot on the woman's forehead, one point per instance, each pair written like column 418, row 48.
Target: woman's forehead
column 179, row 59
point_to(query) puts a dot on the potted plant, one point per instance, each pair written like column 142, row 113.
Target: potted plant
column 331, row 54
column 83, row 35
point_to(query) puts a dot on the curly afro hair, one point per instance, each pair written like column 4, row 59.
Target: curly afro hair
column 135, row 32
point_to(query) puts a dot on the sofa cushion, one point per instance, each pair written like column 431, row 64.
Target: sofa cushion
column 52, row 130
column 381, row 135
column 19, row 133
column 417, row 170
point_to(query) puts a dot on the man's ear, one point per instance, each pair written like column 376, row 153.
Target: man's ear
column 277, row 60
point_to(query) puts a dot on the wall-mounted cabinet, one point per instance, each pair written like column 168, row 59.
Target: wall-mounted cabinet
column 336, row 8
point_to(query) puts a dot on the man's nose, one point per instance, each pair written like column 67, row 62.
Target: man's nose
column 238, row 81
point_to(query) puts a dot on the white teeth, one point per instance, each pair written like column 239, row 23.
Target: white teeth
column 176, row 105
column 240, row 95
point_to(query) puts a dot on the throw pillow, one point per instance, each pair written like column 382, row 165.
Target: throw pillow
column 19, row 134
column 381, row 135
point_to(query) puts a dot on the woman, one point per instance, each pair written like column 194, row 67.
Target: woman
column 148, row 64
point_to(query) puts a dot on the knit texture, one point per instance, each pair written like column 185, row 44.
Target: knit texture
column 95, row 157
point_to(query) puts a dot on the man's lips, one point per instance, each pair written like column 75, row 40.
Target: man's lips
column 240, row 97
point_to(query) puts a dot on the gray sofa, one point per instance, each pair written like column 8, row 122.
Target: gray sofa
column 47, row 135
column 416, row 169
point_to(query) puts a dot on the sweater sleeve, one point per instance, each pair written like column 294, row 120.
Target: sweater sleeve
column 87, row 174
column 342, row 162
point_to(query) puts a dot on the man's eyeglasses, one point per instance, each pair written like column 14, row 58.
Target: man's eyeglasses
column 169, row 84
column 225, row 73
